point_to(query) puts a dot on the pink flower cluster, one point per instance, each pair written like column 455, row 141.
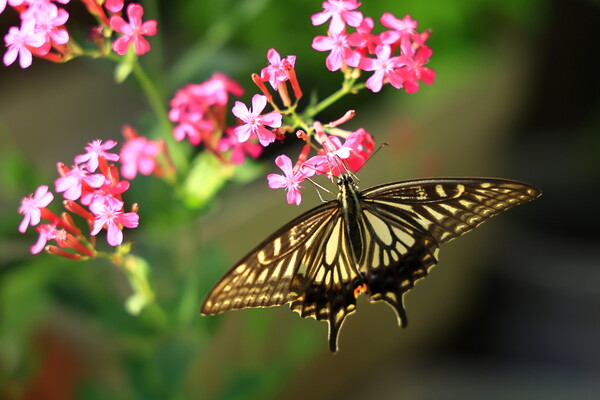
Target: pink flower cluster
column 92, row 190
column 396, row 56
column 199, row 112
column 42, row 32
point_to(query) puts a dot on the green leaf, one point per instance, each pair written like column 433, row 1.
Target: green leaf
column 125, row 66
column 206, row 177
column 136, row 270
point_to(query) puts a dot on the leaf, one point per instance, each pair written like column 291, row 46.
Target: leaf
column 136, row 270
column 206, row 177
column 125, row 66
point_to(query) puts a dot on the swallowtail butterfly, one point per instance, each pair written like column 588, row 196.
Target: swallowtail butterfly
column 379, row 241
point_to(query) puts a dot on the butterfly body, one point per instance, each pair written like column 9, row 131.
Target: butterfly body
column 379, row 241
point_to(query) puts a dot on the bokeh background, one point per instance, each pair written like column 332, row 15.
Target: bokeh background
column 512, row 310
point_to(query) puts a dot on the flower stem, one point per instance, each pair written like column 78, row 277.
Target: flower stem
column 176, row 150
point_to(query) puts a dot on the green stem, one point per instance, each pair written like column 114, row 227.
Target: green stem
column 157, row 104
column 347, row 87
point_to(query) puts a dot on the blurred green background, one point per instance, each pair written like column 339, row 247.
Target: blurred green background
column 512, row 310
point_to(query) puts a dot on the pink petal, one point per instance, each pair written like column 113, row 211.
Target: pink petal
column 259, row 102
column 118, row 24
column 243, row 132
column 148, row 28
column 272, row 119
column 277, row 181
column 320, row 18
column 285, row 164
column 140, row 45
column 294, row 196
column 129, row 220
column 121, row 45
column 114, row 236
column 322, row 43
column 241, row 111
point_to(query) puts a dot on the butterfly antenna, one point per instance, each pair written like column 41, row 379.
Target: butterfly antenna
column 317, row 186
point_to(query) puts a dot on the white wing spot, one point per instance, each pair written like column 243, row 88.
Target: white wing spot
column 439, row 189
column 380, row 228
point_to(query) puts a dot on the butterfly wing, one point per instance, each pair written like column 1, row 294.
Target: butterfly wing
column 274, row 273
column 402, row 224
column 307, row 263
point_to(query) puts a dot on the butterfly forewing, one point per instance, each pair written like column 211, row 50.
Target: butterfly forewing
column 449, row 207
column 274, row 272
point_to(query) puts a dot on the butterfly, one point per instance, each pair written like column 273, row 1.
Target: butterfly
column 379, row 241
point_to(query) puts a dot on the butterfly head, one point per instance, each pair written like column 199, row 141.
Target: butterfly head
column 346, row 180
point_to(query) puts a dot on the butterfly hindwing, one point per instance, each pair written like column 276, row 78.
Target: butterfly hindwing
column 403, row 223
column 332, row 278
column 396, row 253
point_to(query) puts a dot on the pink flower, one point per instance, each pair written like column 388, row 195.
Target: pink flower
column 108, row 193
column 72, row 183
column 362, row 39
column 341, row 52
column 336, row 158
column 198, row 108
column 134, row 32
column 340, row 12
column 94, row 150
column 50, row 20
column 254, row 123
column 48, row 232
column 31, row 205
column 114, row 6
column 275, row 72
column 18, row 41
column 403, row 31
column 361, row 144
column 290, row 180
column 238, row 150
column 113, row 219
column 216, row 90
column 385, row 68
column 139, row 155
column 415, row 71
column 2, row 5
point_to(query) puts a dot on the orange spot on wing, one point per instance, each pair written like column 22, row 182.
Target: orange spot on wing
column 360, row 289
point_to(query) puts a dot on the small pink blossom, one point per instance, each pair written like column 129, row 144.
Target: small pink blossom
column 385, row 68
column 48, row 232
column 94, row 150
column 275, row 71
column 72, row 183
column 31, row 205
column 341, row 52
column 254, row 123
column 113, row 219
column 139, row 155
column 290, row 180
column 238, row 150
column 2, row 5
column 414, row 69
column 50, row 21
column 19, row 41
column 133, row 32
column 404, row 30
column 216, row 90
column 340, row 12
column 198, row 109
column 336, row 157
column 363, row 39
column 109, row 193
